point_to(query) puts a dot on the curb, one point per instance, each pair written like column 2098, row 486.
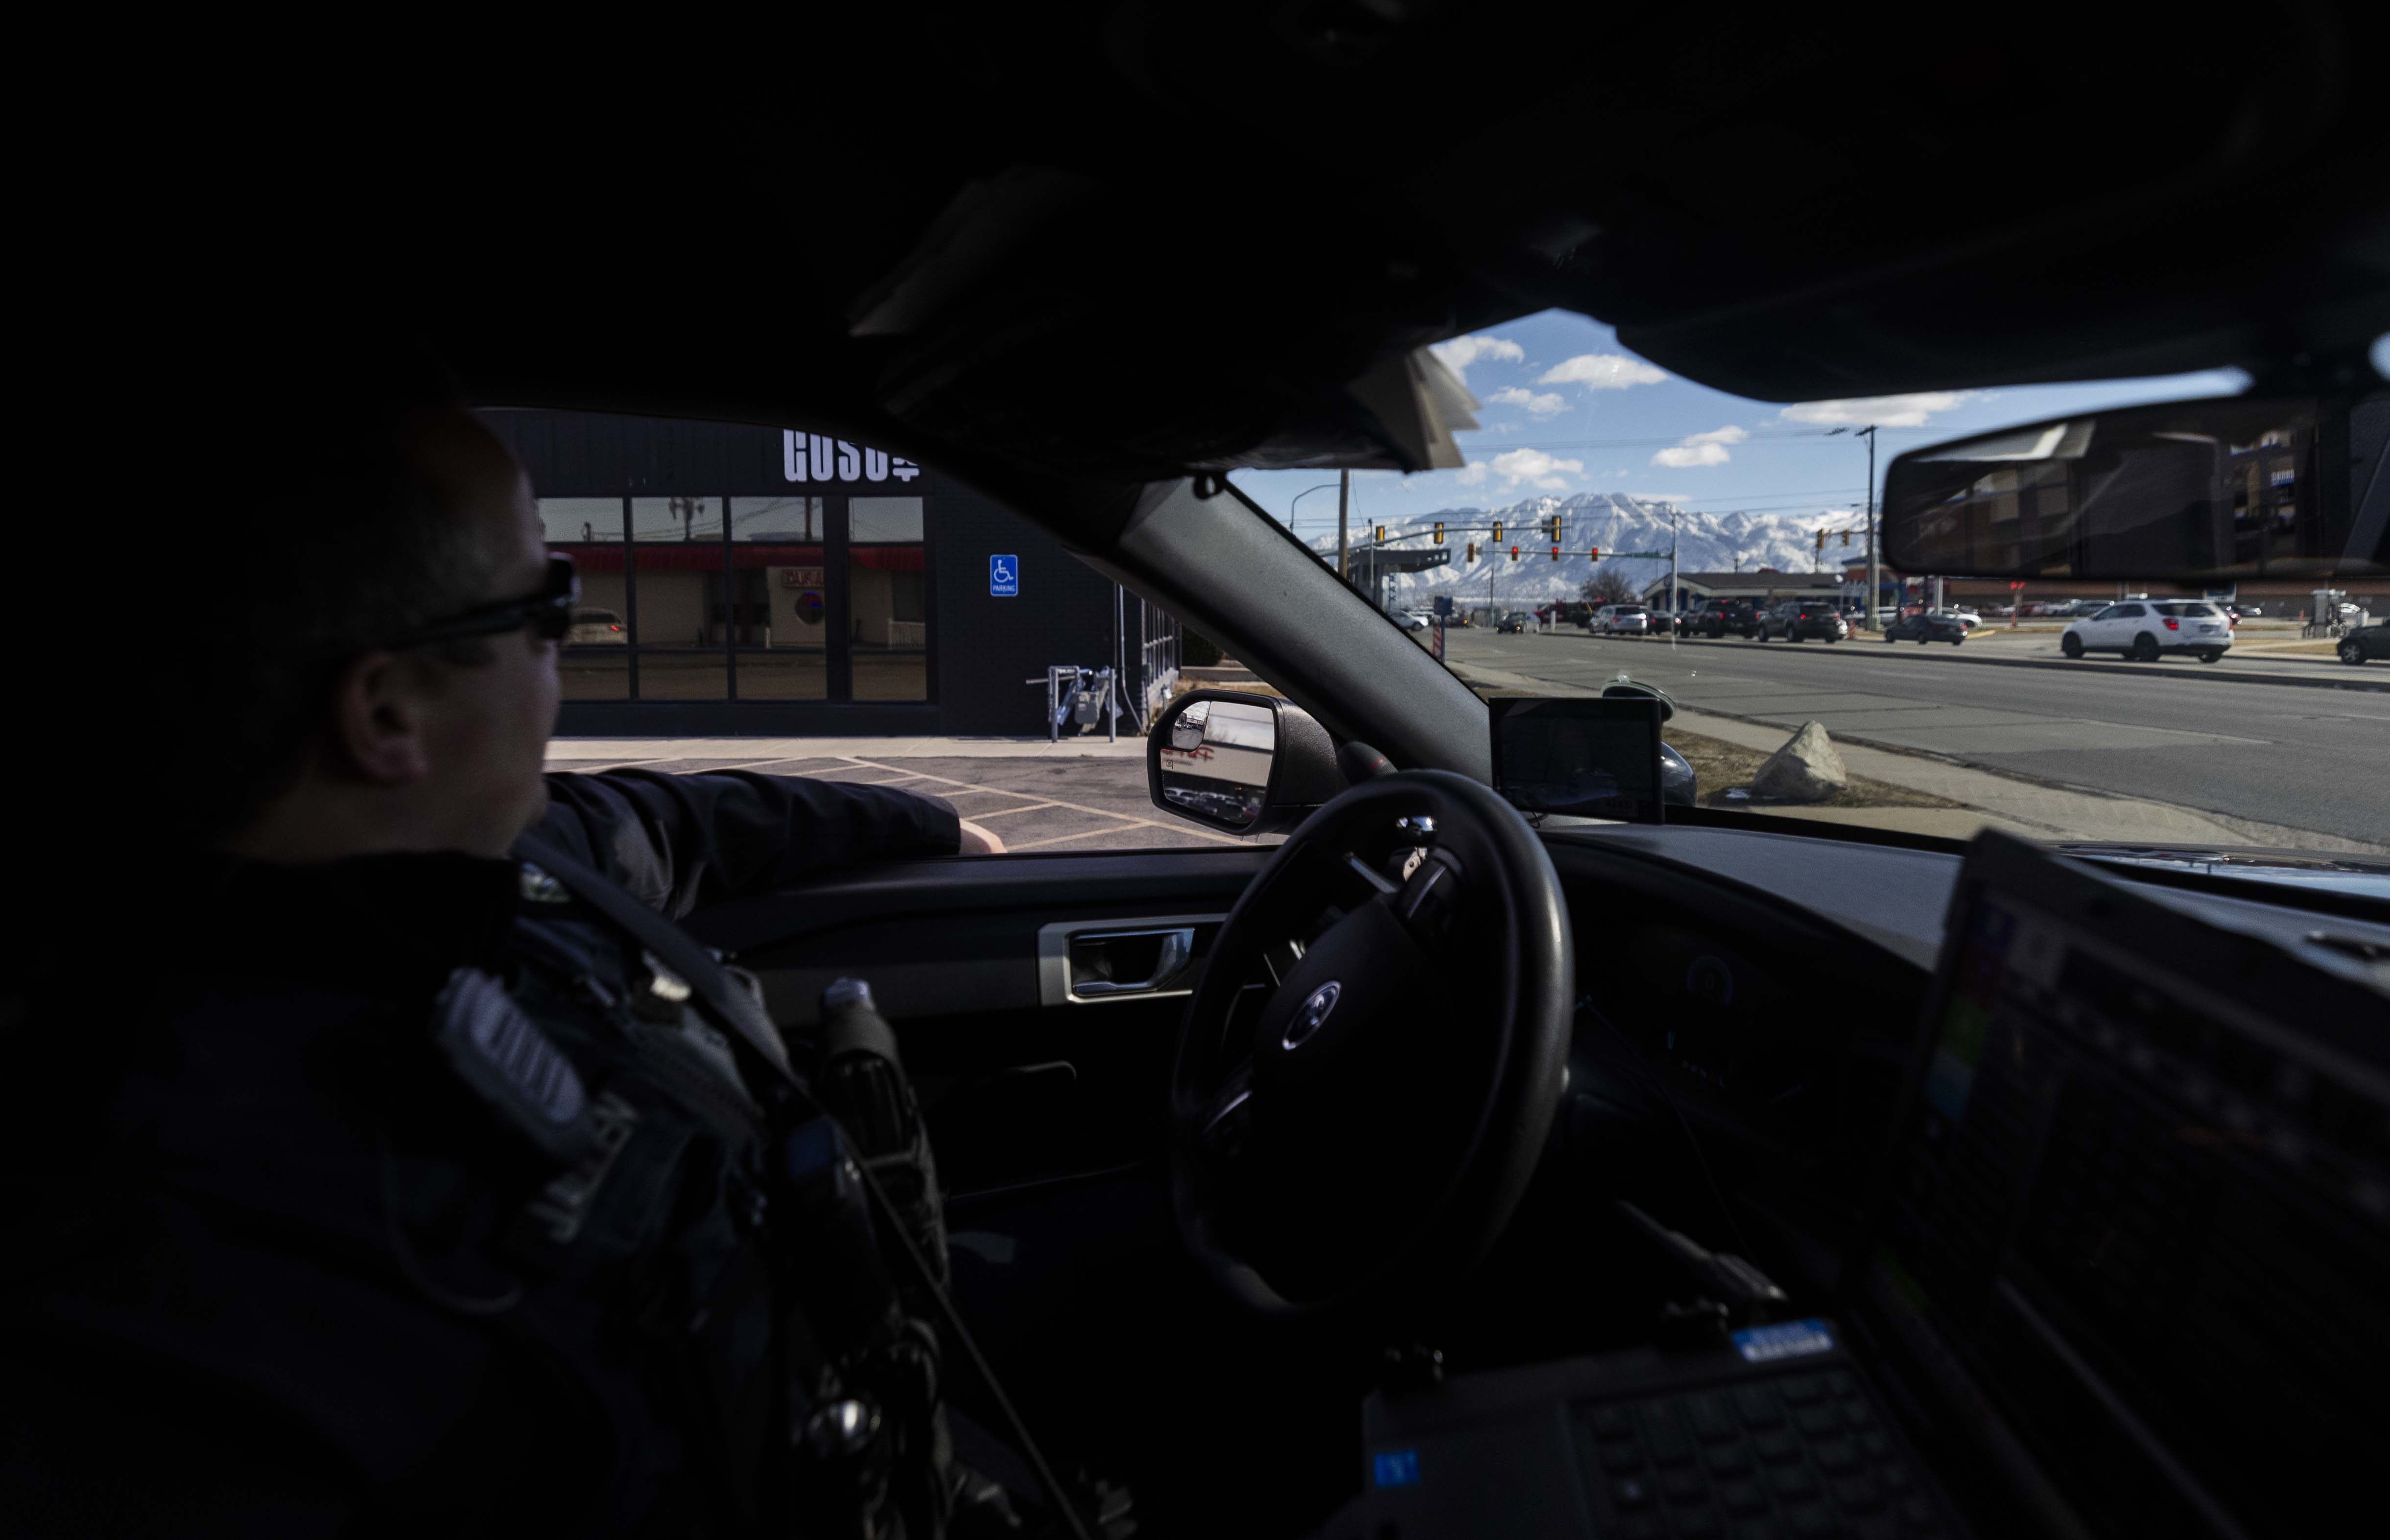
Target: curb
column 2154, row 671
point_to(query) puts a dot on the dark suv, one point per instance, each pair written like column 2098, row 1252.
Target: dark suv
column 1798, row 620
column 1718, row 617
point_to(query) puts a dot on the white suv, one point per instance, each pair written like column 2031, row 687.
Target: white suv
column 1620, row 620
column 2151, row 629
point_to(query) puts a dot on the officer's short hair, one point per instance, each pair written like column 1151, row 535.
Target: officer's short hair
column 316, row 538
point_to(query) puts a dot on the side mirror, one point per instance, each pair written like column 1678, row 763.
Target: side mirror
column 1240, row 764
column 2246, row 486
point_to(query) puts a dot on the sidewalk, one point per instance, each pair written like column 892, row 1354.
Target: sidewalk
column 2035, row 809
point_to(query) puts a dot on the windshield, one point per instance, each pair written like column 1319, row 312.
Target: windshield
column 2035, row 708
column 802, row 605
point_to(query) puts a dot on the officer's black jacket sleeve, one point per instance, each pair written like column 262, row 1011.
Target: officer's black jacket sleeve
column 683, row 842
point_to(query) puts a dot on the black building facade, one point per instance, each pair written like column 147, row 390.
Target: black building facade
column 739, row 580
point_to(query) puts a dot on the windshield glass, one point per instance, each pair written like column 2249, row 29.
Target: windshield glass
column 2031, row 707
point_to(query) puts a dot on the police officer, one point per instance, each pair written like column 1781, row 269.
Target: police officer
column 410, row 1171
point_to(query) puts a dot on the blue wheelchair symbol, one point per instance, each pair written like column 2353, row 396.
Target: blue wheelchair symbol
column 1004, row 577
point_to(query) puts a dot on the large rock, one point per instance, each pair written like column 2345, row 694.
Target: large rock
column 1806, row 770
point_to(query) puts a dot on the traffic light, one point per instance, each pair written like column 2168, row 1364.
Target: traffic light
column 1556, row 527
column 1556, row 553
column 1382, row 534
column 1594, row 552
column 1822, row 540
column 1472, row 553
column 1439, row 531
column 1498, row 532
column 1515, row 553
column 1846, row 537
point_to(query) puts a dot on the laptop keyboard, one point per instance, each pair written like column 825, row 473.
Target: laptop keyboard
column 1785, row 1458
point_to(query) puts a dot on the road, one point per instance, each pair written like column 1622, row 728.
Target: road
column 2306, row 758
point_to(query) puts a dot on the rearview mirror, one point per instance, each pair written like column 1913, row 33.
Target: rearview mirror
column 2249, row 486
column 1241, row 764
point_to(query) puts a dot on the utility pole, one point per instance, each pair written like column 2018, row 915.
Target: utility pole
column 1875, row 578
column 1344, row 508
column 1675, row 600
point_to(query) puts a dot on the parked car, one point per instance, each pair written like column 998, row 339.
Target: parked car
column 2148, row 630
column 1964, row 615
column 596, row 628
column 1620, row 620
column 1926, row 625
column 1718, row 617
column 2366, row 643
column 1798, row 620
column 1407, row 620
column 1517, row 619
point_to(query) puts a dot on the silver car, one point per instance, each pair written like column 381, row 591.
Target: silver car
column 1621, row 619
column 2151, row 629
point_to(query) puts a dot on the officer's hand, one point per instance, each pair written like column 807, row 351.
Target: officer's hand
column 980, row 842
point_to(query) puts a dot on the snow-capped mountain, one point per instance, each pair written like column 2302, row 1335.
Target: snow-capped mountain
column 1705, row 543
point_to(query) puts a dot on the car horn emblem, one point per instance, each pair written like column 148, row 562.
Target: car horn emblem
column 1315, row 1010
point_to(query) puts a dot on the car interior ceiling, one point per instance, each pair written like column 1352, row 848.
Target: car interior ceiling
column 1250, row 211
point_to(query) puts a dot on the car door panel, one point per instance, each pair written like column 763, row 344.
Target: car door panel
column 1019, row 1081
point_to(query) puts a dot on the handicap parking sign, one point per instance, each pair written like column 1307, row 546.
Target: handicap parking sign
column 1004, row 577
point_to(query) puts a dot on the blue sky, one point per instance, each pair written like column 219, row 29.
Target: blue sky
column 1561, row 396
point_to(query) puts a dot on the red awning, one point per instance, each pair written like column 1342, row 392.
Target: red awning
column 705, row 555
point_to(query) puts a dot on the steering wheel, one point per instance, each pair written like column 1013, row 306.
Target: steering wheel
column 1369, row 1069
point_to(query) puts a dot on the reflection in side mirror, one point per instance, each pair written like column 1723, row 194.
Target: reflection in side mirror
column 1241, row 764
column 2247, row 486
column 1214, row 761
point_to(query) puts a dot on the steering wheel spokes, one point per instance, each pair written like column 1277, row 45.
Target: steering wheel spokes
column 1370, row 1128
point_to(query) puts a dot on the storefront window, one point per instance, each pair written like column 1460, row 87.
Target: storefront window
column 887, row 599
column 595, row 674
column 596, row 662
column 870, row 520
column 581, row 521
column 683, row 630
column 688, row 519
column 783, row 622
column 800, row 519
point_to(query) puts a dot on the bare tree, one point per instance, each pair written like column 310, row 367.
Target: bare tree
column 1609, row 586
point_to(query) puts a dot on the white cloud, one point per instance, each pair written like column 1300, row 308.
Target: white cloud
column 1461, row 352
column 1702, row 448
column 1601, row 371
column 1536, row 468
column 1542, row 405
column 1474, row 474
column 1908, row 411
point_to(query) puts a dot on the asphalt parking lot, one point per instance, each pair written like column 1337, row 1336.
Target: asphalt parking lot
column 1060, row 801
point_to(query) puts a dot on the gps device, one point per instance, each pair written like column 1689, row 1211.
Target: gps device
column 1580, row 756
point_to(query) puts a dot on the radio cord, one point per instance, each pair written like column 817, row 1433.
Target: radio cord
column 954, row 1323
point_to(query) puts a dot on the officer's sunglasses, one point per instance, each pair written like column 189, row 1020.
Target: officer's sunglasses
column 547, row 613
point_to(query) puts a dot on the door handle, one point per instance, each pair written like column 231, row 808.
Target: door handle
column 1177, row 947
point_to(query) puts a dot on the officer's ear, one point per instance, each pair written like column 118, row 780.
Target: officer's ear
column 381, row 718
